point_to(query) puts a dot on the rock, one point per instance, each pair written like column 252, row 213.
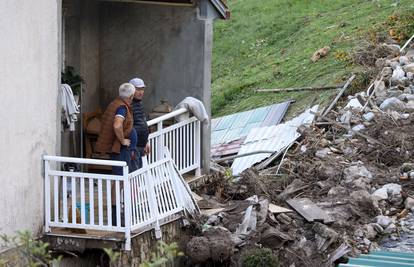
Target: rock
column 387, row 72
column 393, row 189
column 366, row 241
column 392, row 103
column 393, row 64
column 390, row 229
column 363, row 200
column 377, row 227
column 368, row 116
column 407, row 167
column 356, row 171
column 410, row 75
column 409, row 203
column 370, row 232
column 359, row 233
column 409, row 67
column 411, row 175
column 406, row 97
column 362, row 183
column 397, row 74
column 337, row 191
column 390, row 191
column 323, row 52
column 407, row 90
column 405, row 81
column 380, row 194
column 410, row 105
column 410, row 53
column 404, row 60
column 384, row 221
column 354, row 104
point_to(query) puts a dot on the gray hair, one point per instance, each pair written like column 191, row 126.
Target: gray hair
column 126, row 90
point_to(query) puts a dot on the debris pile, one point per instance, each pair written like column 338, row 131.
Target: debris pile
column 343, row 186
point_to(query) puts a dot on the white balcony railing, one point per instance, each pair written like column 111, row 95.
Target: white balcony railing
column 131, row 202
column 182, row 140
column 143, row 199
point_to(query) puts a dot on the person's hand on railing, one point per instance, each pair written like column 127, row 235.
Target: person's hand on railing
column 147, row 149
column 126, row 142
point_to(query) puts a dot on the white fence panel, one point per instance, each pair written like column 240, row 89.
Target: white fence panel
column 71, row 198
column 182, row 140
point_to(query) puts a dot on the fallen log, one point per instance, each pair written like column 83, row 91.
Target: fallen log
column 338, row 96
column 293, row 89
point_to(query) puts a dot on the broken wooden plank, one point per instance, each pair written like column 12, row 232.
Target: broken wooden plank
column 197, row 197
column 210, row 212
column 278, row 209
column 338, row 96
column 307, row 209
column 293, row 89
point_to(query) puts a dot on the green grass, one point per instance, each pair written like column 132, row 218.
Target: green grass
column 268, row 44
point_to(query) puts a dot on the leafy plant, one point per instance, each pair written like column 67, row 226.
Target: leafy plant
column 113, row 255
column 33, row 252
column 73, row 79
column 165, row 253
column 261, row 257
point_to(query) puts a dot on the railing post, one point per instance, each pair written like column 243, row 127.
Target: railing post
column 153, row 205
column 127, row 208
column 160, row 142
column 47, row 196
column 197, row 148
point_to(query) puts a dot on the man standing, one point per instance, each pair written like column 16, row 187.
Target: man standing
column 140, row 121
column 116, row 131
column 117, row 125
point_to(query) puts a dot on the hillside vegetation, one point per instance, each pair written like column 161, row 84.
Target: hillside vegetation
column 269, row 43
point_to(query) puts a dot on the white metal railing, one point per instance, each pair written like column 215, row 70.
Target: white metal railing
column 158, row 191
column 182, row 140
column 84, row 200
column 142, row 199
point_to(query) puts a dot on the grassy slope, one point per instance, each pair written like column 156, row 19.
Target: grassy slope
column 268, row 44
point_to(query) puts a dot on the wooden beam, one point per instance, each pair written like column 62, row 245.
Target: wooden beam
column 277, row 90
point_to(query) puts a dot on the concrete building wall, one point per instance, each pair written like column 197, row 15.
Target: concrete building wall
column 89, row 54
column 29, row 78
column 164, row 45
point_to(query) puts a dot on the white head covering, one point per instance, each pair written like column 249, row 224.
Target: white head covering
column 137, row 82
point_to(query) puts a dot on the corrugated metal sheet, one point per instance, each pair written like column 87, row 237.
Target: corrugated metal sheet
column 274, row 138
column 382, row 259
column 236, row 126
